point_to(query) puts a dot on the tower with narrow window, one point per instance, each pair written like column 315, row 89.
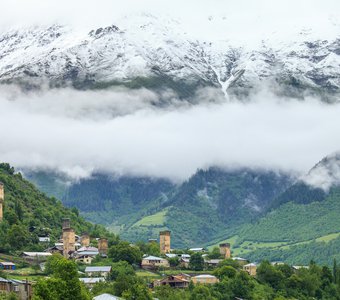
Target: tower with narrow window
column 2, row 198
column 164, row 241
column 225, row 250
column 103, row 246
column 85, row 239
column 69, row 238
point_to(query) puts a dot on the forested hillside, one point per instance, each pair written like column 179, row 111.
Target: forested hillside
column 305, row 227
column 28, row 213
column 212, row 203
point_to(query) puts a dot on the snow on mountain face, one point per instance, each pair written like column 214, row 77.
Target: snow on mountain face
column 325, row 174
column 153, row 47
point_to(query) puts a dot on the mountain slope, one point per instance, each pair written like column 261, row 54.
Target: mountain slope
column 303, row 223
column 156, row 53
column 29, row 213
column 210, row 204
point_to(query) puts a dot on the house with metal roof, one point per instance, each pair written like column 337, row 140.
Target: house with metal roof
column 35, row 255
column 102, row 271
column 106, row 297
column 153, row 262
column 250, row 269
column 91, row 281
column 212, row 262
column 197, row 249
column 4, row 265
column 22, row 288
column 175, row 281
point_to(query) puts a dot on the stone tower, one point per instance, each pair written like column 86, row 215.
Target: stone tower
column 85, row 240
column 2, row 198
column 225, row 250
column 164, row 241
column 103, row 246
column 69, row 238
column 66, row 223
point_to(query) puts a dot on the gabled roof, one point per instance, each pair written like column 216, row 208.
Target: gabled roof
column 5, row 263
column 153, row 258
column 205, row 276
column 98, row 269
column 196, row 249
column 106, row 297
column 171, row 255
column 213, row 261
column 174, row 278
column 92, row 249
column 89, row 253
column 239, row 258
column 33, row 254
column 92, row 279
column 250, row 265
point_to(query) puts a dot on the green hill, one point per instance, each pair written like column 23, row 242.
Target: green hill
column 28, row 213
column 303, row 229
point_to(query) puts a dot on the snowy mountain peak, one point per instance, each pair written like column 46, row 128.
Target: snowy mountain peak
column 148, row 47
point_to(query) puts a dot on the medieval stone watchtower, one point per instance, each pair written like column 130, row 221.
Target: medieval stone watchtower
column 164, row 241
column 69, row 238
column 85, row 239
column 2, row 198
column 103, row 246
column 225, row 250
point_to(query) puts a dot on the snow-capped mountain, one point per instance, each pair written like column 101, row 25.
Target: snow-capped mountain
column 151, row 47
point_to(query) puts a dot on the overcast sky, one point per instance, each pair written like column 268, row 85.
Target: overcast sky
column 241, row 16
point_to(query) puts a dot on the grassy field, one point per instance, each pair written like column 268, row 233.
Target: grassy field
column 329, row 237
column 24, row 273
column 156, row 219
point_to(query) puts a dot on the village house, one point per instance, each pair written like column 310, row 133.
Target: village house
column 212, row 262
column 55, row 249
column 171, row 255
column 7, row 265
column 250, row 269
column 23, row 289
column 44, row 239
column 91, row 281
column 106, row 297
column 174, row 281
column 184, row 262
column 277, row 263
column 204, row 279
column 86, row 254
column 296, row 268
column 102, row 271
column 241, row 261
column 152, row 262
column 197, row 249
column 35, row 256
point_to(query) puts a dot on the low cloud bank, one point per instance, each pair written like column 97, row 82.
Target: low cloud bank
column 125, row 132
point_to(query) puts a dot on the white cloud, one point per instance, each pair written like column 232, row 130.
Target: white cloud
column 325, row 174
column 46, row 131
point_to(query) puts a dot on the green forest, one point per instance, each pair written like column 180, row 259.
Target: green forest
column 29, row 213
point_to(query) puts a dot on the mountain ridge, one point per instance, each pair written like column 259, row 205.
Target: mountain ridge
column 158, row 54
